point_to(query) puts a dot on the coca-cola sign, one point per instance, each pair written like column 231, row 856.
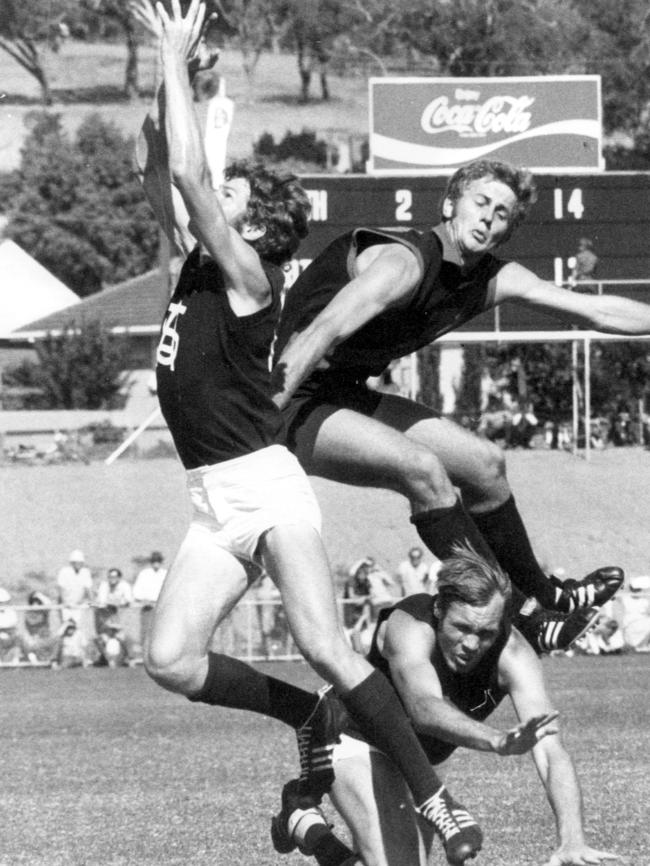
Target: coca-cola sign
column 433, row 125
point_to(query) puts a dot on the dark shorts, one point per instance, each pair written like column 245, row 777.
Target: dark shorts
column 327, row 392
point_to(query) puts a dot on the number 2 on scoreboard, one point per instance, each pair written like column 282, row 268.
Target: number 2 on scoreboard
column 573, row 206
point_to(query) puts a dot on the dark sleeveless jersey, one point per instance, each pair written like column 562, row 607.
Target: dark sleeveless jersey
column 213, row 368
column 444, row 299
column 476, row 693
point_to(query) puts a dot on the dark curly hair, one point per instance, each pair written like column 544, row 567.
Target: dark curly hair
column 279, row 204
column 520, row 181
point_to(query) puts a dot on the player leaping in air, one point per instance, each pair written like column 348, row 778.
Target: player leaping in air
column 252, row 505
column 373, row 296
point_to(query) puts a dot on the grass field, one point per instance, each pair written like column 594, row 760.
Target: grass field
column 103, row 768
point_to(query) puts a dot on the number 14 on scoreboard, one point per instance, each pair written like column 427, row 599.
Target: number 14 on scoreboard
column 573, row 206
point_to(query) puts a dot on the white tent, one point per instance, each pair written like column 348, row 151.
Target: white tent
column 27, row 290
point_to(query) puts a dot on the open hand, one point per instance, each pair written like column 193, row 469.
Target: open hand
column 519, row 740
column 143, row 11
column 181, row 35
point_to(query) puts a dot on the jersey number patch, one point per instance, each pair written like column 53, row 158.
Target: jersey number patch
column 169, row 338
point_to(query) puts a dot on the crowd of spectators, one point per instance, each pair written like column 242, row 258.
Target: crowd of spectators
column 82, row 621
column 511, row 425
column 103, row 621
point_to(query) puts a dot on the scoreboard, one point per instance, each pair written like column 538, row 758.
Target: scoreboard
column 610, row 208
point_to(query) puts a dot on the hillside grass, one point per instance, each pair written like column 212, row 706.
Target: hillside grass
column 580, row 514
column 88, row 78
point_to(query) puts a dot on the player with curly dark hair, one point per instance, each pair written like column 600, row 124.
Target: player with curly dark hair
column 252, row 505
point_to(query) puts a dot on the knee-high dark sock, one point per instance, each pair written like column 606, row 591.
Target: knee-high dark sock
column 327, row 849
column 381, row 717
column 504, row 531
column 234, row 684
column 441, row 528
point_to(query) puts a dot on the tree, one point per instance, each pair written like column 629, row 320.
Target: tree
column 26, row 26
column 428, row 365
column 618, row 49
column 251, row 26
column 81, row 368
column 468, row 399
column 119, row 11
column 497, row 37
column 78, row 208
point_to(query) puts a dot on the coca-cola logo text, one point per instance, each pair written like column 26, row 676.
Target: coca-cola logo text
column 497, row 114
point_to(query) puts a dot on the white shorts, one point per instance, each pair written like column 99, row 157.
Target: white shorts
column 350, row 747
column 237, row 501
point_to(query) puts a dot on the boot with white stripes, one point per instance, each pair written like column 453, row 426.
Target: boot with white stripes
column 592, row 591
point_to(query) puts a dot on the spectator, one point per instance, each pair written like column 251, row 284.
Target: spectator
column 524, row 425
column 146, row 589
column 382, row 588
column 10, row 645
column 357, row 611
column 268, row 597
column 603, row 638
column 70, row 647
column 37, row 639
column 413, row 573
column 584, row 267
column 114, row 590
column 75, row 586
column 431, row 585
column 113, row 594
column 635, row 620
column 113, row 644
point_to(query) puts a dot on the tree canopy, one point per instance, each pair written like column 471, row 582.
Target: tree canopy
column 77, row 207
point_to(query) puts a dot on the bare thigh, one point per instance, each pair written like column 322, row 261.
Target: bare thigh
column 202, row 586
column 372, row 798
column 295, row 558
column 391, row 447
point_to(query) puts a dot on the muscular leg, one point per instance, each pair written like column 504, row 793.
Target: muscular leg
column 371, row 797
column 295, row 558
column 405, row 447
column 202, row 586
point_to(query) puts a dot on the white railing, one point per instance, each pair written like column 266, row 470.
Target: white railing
column 34, row 636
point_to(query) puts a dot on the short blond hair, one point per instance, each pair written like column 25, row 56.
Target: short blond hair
column 467, row 577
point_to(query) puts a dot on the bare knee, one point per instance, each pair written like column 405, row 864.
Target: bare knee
column 173, row 669
column 333, row 658
column 424, row 478
column 485, row 483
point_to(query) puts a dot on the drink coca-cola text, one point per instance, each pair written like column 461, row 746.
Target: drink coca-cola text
column 496, row 115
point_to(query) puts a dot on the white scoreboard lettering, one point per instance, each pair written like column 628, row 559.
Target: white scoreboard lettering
column 404, row 201
column 318, row 200
column 574, row 205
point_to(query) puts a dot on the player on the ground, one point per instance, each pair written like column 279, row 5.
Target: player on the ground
column 452, row 659
column 252, row 504
column 372, row 296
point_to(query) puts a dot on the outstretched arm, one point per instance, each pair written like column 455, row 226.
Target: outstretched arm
column 408, row 645
column 386, row 275
column 607, row 313
column 188, row 164
column 151, row 153
column 521, row 672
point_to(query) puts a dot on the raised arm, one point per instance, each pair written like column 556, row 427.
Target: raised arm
column 386, row 275
column 151, row 154
column 188, row 164
column 407, row 646
column 607, row 313
column 521, row 673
